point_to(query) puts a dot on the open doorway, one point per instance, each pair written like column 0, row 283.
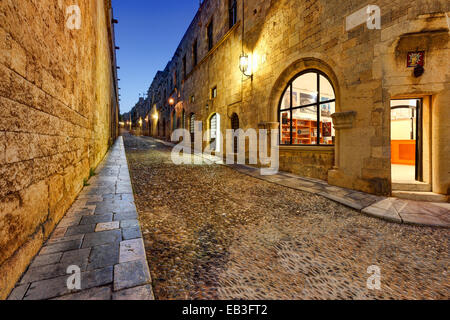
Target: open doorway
column 406, row 141
column 214, row 132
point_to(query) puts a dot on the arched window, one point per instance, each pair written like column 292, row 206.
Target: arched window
column 305, row 110
column 235, row 126
column 192, row 126
column 234, row 121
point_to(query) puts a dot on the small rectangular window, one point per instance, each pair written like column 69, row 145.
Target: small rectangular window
column 214, row 93
column 184, row 67
column 233, row 12
column 194, row 53
column 210, row 35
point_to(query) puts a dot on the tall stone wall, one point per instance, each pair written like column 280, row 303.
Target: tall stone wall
column 58, row 113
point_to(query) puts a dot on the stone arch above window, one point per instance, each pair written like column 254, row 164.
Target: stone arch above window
column 305, row 110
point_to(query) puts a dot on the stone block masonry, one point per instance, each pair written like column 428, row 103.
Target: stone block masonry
column 58, row 114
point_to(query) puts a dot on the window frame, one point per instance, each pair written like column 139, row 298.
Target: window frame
column 213, row 92
column 232, row 16
column 210, row 34
column 195, row 53
column 316, row 104
column 184, row 67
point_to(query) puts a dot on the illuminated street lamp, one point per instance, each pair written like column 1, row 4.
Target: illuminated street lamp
column 171, row 101
column 244, row 64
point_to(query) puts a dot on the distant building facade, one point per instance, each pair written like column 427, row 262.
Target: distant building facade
column 334, row 90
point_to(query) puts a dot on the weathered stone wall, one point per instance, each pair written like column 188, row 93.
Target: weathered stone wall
column 314, row 162
column 58, row 115
column 366, row 67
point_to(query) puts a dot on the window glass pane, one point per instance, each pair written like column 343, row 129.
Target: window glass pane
column 286, row 101
column 326, row 90
column 328, row 133
column 304, row 125
column 304, row 90
column 285, row 125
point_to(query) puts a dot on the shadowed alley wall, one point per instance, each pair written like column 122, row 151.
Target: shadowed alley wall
column 58, row 116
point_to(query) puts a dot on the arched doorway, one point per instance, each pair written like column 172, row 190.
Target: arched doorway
column 406, row 141
column 214, row 132
column 174, row 121
column 235, row 126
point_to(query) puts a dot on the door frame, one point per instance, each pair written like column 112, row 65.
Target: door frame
column 419, row 134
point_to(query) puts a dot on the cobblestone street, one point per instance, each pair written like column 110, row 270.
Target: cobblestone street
column 213, row 233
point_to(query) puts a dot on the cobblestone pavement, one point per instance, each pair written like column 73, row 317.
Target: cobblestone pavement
column 100, row 234
column 213, row 233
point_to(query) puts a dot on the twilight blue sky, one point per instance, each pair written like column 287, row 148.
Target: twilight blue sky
column 148, row 34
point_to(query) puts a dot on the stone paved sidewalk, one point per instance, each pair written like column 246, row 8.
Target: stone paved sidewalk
column 391, row 209
column 101, row 235
column 387, row 208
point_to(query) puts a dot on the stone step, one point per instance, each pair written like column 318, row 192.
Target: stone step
column 411, row 186
column 420, row 196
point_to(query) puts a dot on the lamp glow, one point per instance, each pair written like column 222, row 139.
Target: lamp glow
column 243, row 63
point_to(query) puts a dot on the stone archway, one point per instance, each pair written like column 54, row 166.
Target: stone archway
column 288, row 73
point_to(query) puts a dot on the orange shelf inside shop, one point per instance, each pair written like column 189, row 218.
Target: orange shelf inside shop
column 403, row 152
column 307, row 129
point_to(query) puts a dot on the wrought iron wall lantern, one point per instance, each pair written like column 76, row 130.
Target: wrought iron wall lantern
column 244, row 64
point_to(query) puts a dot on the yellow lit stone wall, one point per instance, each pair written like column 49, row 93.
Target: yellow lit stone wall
column 56, row 118
column 366, row 67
